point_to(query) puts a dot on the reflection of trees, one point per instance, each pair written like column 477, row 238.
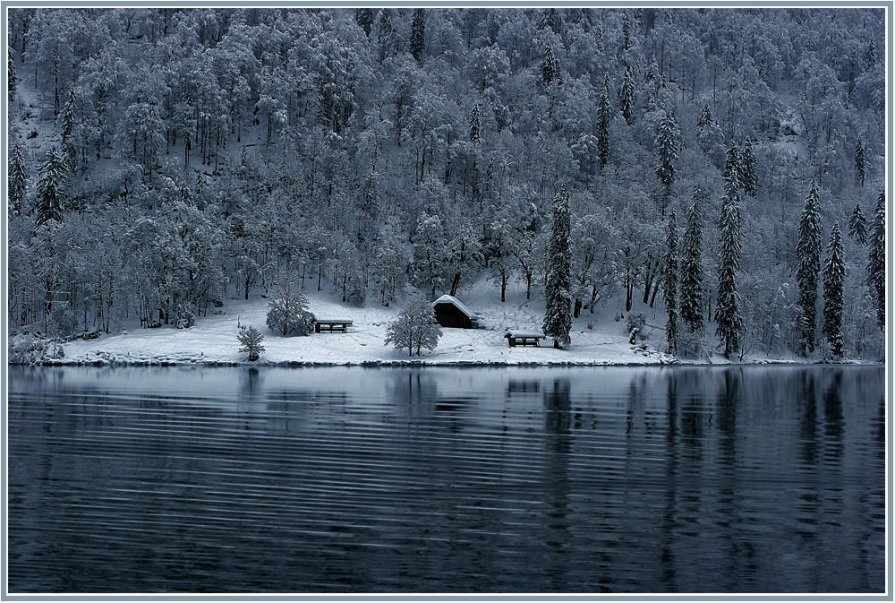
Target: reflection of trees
column 669, row 523
column 557, row 423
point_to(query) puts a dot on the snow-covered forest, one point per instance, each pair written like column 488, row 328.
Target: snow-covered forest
column 722, row 166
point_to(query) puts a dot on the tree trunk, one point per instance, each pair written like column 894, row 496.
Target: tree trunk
column 455, row 284
column 577, row 311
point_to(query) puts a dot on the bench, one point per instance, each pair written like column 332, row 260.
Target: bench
column 331, row 325
column 515, row 339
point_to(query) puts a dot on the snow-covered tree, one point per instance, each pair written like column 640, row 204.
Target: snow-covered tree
column 548, row 67
column 287, row 309
column 251, row 342
column 475, row 124
column 10, row 74
column 876, row 261
column 748, row 176
column 418, row 34
column 834, row 279
column 808, row 254
column 604, row 116
column 670, row 278
column 558, row 317
column 53, row 175
column 691, row 268
column 365, row 18
column 415, row 328
column 668, row 145
column 859, row 162
column 857, row 225
column 392, row 258
column 626, row 95
column 727, row 310
column 430, row 251
column 18, row 181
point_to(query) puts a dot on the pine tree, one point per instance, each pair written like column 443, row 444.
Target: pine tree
column 604, row 116
column 626, row 95
column 705, row 118
column 857, row 226
column 859, row 163
column 808, row 254
column 418, row 34
column 364, row 18
column 558, row 317
column 671, row 276
column 691, row 268
column 10, row 74
column 475, row 124
column 876, row 261
column 250, row 342
column 18, row 181
column 727, row 311
column 548, row 68
column 834, row 279
column 732, row 175
column 385, row 37
column 626, row 31
column 667, row 143
column 551, row 20
column 747, row 169
column 67, row 123
column 50, row 188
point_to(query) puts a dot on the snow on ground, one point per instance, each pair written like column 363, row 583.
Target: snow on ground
column 213, row 339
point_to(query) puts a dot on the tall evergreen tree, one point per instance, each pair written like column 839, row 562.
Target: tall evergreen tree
column 859, row 163
column 834, row 279
column 808, row 254
column 558, row 317
column 10, row 74
column 671, row 277
column 385, row 35
column 18, row 181
column 475, row 124
column 876, row 261
column 604, row 116
column 364, row 18
column 747, row 169
column 727, row 311
column 67, row 123
column 50, row 188
column 667, row 143
column 548, row 67
column 705, row 118
column 551, row 20
column 857, row 226
column 626, row 95
column 418, row 34
column 691, row 268
column 626, row 31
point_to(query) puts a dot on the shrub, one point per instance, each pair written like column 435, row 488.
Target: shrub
column 32, row 349
column 250, row 340
column 414, row 329
column 184, row 316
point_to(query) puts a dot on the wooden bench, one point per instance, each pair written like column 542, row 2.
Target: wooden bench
column 515, row 339
column 331, row 325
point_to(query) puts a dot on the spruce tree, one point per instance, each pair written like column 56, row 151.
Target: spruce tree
column 418, row 34
column 551, row 20
column 10, row 74
column 834, row 279
column 364, row 18
column 558, row 317
column 604, row 116
column 626, row 95
column 671, row 276
column 548, row 68
column 857, row 226
column 859, row 163
column 626, row 31
column 50, row 187
column 727, row 311
column 385, row 36
column 667, row 144
column 18, row 181
column 67, row 123
column 808, row 254
column 691, row 268
column 876, row 261
column 475, row 124
column 747, row 169
column 705, row 118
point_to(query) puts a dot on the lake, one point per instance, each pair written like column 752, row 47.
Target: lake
column 757, row 479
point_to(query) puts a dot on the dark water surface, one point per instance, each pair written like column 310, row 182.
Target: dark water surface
column 449, row 480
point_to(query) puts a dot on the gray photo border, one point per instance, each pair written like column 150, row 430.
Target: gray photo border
column 888, row 7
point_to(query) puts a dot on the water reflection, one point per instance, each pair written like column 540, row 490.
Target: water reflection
column 534, row 480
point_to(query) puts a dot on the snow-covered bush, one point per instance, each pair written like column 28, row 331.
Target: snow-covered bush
column 184, row 316
column 250, row 342
column 414, row 329
column 287, row 310
column 32, row 349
